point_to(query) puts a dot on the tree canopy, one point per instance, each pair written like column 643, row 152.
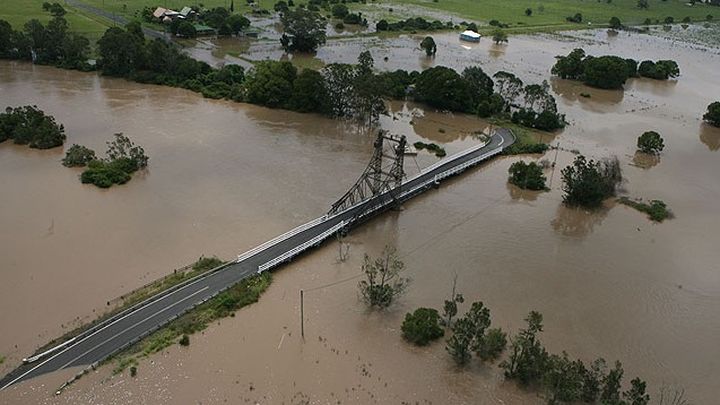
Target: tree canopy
column 422, row 326
column 712, row 116
column 30, row 126
column 527, row 175
column 650, row 142
column 304, row 30
column 587, row 182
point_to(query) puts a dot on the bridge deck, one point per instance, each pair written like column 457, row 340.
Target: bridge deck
column 132, row 325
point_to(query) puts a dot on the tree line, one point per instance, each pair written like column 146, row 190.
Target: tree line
column 610, row 72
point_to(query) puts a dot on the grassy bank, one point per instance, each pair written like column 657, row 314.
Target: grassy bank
column 18, row 12
column 550, row 13
column 126, row 301
column 527, row 140
column 223, row 305
column 656, row 210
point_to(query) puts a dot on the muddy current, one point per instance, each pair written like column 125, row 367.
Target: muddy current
column 224, row 177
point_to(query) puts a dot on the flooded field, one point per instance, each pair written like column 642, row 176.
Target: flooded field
column 224, row 177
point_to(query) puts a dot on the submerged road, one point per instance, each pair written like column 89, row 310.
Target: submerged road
column 131, row 325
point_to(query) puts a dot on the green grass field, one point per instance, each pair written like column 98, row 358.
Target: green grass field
column 552, row 13
column 17, row 12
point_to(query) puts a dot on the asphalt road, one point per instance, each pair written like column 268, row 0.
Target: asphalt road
column 127, row 327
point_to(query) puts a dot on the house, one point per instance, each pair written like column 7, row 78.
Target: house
column 470, row 36
column 159, row 13
column 187, row 12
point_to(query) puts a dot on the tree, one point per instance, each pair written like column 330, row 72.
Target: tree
column 643, row 4
column 527, row 176
column 458, row 346
column 528, row 12
column 340, row 11
column 428, row 44
column 270, row 83
column 120, row 52
column 636, row 395
column 382, row 25
column 660, row 70
column 650, row 142
column 422, row 326
column 605, row 72
column 481, row 85
column 615, row 23
column 712, row 116
column 492, row 345
column 612, row 383
column 123, row 148
column 444, row 88
column 592, row 378
column 309, row 92
column 281, row 7
column 563, row 380
column 450, row 308
column 237, row 23
column 186, row 29
column 78, row 156
column 509, row 87
column 528, row 358
column 30, row 126
column 305, row 30
column 669, row 20
column 570, row 66
column 588, row 183
column 499, row 36
column 382, row 281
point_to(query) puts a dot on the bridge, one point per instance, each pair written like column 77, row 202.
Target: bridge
column 382, row 186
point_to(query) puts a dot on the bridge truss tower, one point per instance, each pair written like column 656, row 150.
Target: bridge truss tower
column 384, row 173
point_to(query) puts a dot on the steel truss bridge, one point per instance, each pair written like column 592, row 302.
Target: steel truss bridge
column 383, row 185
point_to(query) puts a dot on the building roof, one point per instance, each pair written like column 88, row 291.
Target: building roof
column 159, row 12
column 186, row 11
column 470, row 34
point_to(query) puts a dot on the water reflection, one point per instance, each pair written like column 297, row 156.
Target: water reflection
column 645, row 160
column 577, row 222
column 496, row 51
column 518, row 194
column 573, row 91
column 710, row 136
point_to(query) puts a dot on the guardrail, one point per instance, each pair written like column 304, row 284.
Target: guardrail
column 278, row 239
column 300, row 248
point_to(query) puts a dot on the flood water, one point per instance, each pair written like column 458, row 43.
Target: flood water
column 224, row 177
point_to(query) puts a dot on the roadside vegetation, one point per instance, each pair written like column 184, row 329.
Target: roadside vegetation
column 225, row 304
column 30, row 126
column 610, row 72
column 656, row 210
column 178, row 276
column 439, row 151
column 587, row 183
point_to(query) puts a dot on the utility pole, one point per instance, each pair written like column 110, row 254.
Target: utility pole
column 552, row 175
column 302, row 316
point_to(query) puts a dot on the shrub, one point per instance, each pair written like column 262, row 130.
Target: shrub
column 712, row 116
column 133, row 371
column 29, row 125
column 657, row 210
column 660, row 70
column 78, row 156
column 650, row 142
column 527, row 176
column 588, row 183
column 493, row 344
column 422, row 326
column 184, row 340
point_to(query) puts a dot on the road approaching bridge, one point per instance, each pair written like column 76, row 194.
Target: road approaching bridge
column 131, row 325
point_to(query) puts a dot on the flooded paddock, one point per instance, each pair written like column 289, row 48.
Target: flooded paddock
column 224, row 177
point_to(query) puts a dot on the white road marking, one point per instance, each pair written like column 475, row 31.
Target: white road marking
column 88, row 337
column 133, row 326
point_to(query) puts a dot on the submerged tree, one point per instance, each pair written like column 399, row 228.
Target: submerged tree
column 650, row 142
column 383, row 281
column 528, row 176
column 450, row 307
column 428, row 44
column 422, row 326
column 588, row 183
column 712, row 116
column 499, row 36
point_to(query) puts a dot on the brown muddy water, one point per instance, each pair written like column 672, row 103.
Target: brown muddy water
column 224, row 177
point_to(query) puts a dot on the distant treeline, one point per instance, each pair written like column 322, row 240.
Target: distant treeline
column 610, row 72
column 338, row 90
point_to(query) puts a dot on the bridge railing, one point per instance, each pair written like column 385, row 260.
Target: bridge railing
column 276, row 240
column 302, row 247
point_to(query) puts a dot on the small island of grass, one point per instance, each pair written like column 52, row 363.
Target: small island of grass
column 656, row 210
